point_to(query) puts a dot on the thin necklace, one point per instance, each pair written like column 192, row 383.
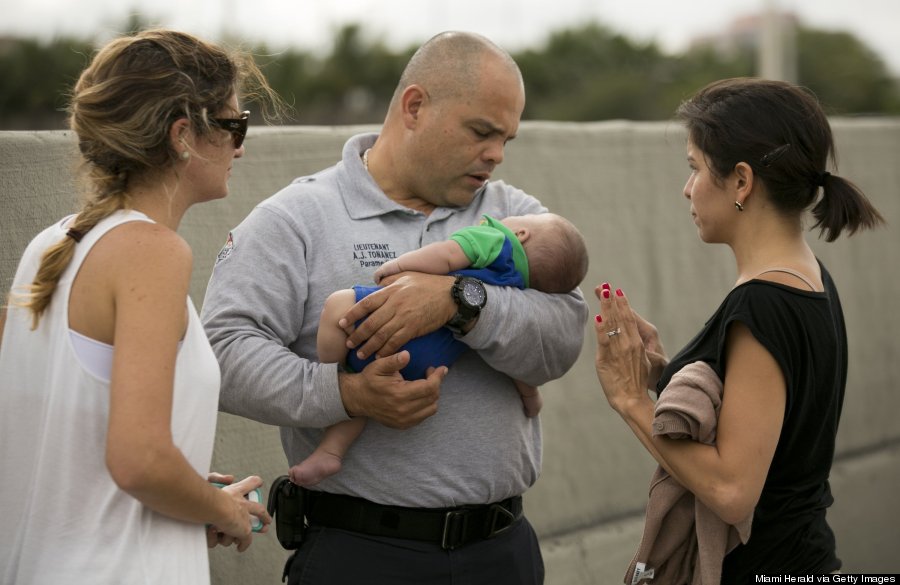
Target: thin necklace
column 366, row 159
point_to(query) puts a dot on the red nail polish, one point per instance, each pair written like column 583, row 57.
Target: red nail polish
column 606, row 293
column 598, row 318
column 605, row 286
column 619, row 293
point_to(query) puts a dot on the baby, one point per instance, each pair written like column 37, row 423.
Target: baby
column 540, row 251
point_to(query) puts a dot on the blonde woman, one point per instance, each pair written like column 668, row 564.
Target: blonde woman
column 108, row 386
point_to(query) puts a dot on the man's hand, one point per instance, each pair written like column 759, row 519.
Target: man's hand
column 410, row 305
column 381, row 393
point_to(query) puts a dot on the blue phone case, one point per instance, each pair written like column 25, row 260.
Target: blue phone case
column 253, row 496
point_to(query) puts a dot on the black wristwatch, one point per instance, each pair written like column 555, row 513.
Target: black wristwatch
column 470, row 297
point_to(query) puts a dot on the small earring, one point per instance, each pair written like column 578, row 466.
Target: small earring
column 185, row 155
column 738, row 206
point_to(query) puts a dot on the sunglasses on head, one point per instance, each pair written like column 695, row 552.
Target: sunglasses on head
column 237, row 127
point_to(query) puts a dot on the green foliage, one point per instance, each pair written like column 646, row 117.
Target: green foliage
column 37, row 80
column 844, row 74
column 591, row 73
column 580, row 74
column 353, row 84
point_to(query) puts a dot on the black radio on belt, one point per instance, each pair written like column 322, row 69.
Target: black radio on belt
column 287, row 505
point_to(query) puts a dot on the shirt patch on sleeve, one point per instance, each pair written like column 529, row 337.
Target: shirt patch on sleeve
column 226, row 250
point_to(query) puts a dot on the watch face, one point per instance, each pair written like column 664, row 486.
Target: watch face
column 473, row 294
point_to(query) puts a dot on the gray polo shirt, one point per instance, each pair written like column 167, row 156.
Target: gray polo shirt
column 329, row 231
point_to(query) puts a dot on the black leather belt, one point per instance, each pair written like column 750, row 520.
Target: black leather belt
column 448, row 527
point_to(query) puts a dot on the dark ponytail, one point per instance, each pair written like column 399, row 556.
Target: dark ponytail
column 843, row 206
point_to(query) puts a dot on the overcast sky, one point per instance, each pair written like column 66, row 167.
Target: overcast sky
column 514, row 24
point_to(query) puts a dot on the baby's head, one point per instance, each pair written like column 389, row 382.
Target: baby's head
column 557, row 255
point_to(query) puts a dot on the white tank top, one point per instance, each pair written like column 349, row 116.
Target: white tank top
column 64, row 520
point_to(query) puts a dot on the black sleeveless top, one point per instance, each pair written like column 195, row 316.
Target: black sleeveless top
column 804, row 331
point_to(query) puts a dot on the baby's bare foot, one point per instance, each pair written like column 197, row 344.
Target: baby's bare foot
column 315, row 468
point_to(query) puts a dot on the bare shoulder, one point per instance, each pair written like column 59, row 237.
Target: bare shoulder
column 147, row 234
column 803, row 276
column 143, row 260
column 140, row 246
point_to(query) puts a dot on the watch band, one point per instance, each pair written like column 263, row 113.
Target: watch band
column 461, row 319
column 465, row 312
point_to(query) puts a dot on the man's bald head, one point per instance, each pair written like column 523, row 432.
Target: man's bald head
column 450, row 64
column 459, row 101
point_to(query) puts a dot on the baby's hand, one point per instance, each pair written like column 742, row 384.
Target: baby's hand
column 387, row 269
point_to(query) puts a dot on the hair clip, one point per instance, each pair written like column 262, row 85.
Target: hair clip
column 774, row 154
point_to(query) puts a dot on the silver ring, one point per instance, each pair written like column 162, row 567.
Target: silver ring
column 614, row 332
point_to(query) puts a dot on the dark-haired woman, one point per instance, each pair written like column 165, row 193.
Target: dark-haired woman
column 108, row 386
column 758, row 153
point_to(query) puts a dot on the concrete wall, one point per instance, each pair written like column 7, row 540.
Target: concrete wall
column 620, row 182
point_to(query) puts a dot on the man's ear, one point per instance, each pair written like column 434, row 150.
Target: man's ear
column 412, row 100
column 742, row 182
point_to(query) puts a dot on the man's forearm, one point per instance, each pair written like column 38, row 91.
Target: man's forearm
column 528, row 335
column 268, row 383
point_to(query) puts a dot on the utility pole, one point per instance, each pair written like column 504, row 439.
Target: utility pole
column 777, row 48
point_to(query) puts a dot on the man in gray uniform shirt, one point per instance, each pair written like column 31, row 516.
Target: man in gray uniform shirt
column 431, row 491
